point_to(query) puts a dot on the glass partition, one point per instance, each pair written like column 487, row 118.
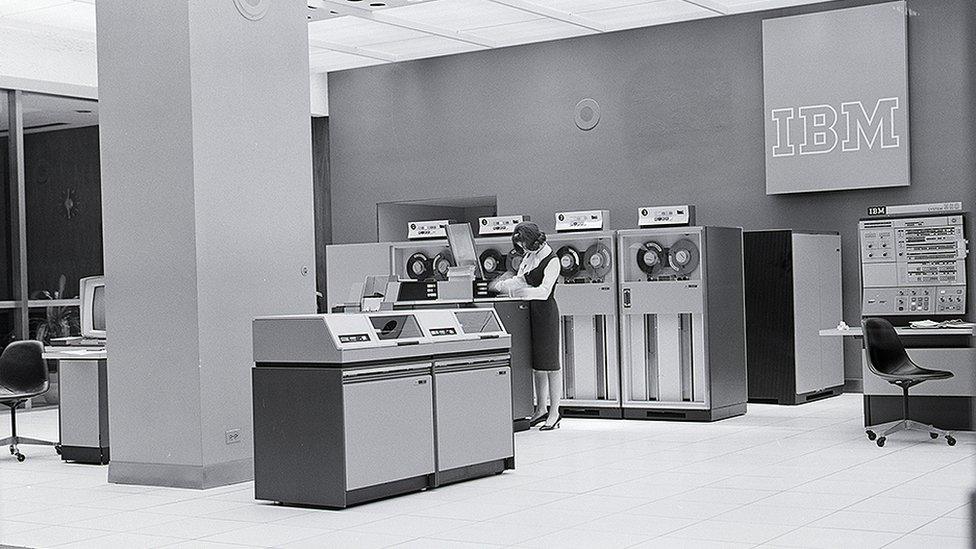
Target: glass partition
column 63, row 205
column 8, row 307
column 6, row 259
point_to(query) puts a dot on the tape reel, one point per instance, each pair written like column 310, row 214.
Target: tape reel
column 598, row 260
column 419, row 266
column 650, row 257
column 514, row 260
column 569, row 261
column 492, row 263
column 683, row 257
column 441, row 263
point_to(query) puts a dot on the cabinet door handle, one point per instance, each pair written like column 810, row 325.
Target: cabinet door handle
column 421, row 382
column 502, row 372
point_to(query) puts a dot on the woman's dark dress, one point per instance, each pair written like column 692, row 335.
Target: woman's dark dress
column 545, row 321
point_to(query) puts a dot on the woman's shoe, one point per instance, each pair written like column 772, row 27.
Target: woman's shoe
column 551, row 427
column 538, row 420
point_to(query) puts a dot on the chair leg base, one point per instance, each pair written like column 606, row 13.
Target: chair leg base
column 881, row 431
column 14, row 442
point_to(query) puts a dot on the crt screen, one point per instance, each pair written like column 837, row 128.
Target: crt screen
column 98, row 309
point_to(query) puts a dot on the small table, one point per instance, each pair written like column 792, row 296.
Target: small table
column 83, row 403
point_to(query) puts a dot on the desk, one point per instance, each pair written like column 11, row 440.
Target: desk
column 911, row 332
column 945, row 403
column 83, row 403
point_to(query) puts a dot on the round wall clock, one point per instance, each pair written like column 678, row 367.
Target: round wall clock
column 69, row 203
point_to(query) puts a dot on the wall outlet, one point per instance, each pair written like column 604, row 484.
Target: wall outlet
column 232, row 436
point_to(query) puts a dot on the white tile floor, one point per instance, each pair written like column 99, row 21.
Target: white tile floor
column 778, row 477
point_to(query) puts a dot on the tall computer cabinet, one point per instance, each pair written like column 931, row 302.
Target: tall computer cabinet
column 793, row 290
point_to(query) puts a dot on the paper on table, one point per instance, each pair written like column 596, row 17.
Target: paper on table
column 930, row 324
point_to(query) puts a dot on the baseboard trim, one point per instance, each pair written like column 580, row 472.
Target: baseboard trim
column 181, row 476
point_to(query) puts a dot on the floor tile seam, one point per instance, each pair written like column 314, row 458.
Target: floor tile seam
column 204, row 537
column 106, row 534
column 947, row 513
column 894, row 541
column 727, row 541
column 848, row 469
column 930, row 522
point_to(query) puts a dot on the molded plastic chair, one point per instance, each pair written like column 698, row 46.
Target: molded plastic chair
column 888, row 360
column 23, row 375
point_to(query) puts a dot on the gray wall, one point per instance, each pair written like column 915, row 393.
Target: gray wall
column 682, row 123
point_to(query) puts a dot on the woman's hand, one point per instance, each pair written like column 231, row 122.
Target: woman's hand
column 495, row 283
column 507, row 284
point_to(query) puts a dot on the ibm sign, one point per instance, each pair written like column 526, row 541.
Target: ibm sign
column 835, row 90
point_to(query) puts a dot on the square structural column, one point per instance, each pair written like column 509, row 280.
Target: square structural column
column 208, row 222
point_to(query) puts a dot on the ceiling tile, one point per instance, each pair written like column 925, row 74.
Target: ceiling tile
column 75, row 16
column 537, row 30
column 579, row 6
column 742, row 6
column 353, row 31
column 327, row 61
column 460, row 15
column 8, row 7
column 429, row 46
column 647, row 14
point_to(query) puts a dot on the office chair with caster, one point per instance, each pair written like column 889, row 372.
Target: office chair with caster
column 888, row 360
column 23, row 375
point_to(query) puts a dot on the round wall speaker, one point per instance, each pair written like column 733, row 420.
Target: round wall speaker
column 253, row 9
column 587, row 114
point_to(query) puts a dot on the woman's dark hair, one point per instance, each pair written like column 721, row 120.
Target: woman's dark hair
column 528, row 233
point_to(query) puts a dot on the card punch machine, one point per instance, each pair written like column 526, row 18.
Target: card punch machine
column 350, row 408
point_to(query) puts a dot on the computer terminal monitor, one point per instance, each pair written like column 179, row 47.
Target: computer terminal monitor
column 92, row 293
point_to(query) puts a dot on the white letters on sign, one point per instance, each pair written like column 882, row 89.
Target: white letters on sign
column 819, row 129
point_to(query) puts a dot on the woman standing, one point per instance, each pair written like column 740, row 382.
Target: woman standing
column 535, row 282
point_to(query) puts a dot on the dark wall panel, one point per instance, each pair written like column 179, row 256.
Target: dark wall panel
column 57, row 162
column 6, row 290
column 322, row 196
column 682, row 123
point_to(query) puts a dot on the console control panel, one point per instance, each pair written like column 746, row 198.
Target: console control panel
column 913, row 265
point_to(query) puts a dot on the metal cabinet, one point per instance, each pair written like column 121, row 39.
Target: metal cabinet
column 83, row 411
column 472, row 399
column 385, row 411
column 793, row 290
column 515, row 316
